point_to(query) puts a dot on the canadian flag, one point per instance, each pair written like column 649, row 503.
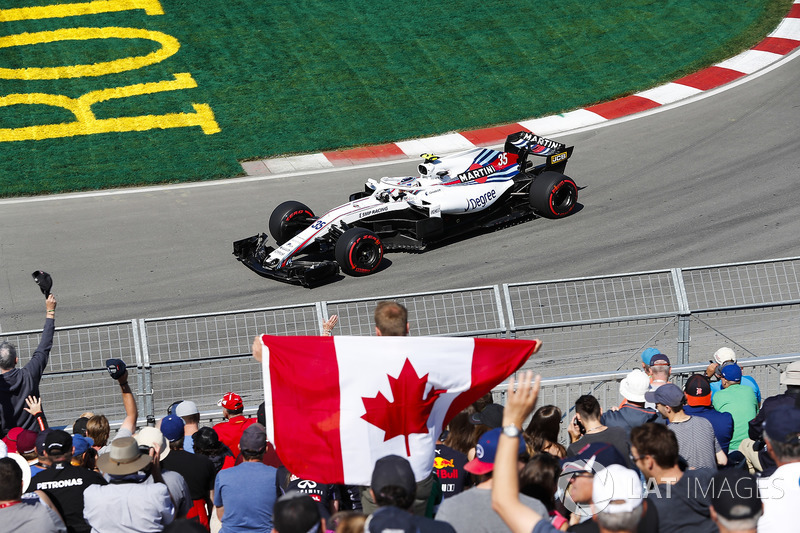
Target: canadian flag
column 335, row 405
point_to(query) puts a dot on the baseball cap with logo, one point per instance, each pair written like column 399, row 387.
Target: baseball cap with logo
column 116, row 368
column 172, row 427
column 44, row 281
column 723, row 355
column 485, row 451
column 616, row 489
column 58, row 442
column 698, row 390
column 231, row 401
column 732, row 372
column 667, row 394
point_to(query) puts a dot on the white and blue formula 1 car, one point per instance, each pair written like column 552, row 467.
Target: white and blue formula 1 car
column 473, row 190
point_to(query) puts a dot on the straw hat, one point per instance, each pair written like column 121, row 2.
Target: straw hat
column 123, row 458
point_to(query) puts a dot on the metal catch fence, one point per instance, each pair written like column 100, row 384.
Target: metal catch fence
column 590, row 327
column 563, row 391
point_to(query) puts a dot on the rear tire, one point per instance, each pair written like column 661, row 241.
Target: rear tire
column 553, row 195
column 359, row 252
column 289, row 219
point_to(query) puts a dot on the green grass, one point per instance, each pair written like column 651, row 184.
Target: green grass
column 319, row 75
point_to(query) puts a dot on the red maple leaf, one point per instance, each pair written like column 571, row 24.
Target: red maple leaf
column 409, row 412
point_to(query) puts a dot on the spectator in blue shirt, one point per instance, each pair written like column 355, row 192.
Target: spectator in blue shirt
column 722, row 357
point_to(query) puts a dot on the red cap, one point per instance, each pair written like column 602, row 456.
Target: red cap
column 11, row 439
column 26, row 441
column 231, row 401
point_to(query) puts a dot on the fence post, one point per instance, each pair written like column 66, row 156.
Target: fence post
column 498, row 301
column 322, row 315
column 146, row 380
column 684, row 317
column 511, row 331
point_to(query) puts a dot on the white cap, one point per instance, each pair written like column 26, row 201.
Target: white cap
column 616, row 489
column 186, row 408
column 634, row 385
column 148, row 436
column 724, row 354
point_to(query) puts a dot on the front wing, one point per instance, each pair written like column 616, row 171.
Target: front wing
column 252, row 252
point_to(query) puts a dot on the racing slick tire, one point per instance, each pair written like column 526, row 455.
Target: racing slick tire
column 359, row 252
column 553, row 195
column 289, row 219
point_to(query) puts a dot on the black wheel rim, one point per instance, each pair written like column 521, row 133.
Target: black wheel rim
column 564, row 198
column 365, row 255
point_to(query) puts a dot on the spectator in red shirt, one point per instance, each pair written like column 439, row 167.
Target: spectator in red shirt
column 230, row 431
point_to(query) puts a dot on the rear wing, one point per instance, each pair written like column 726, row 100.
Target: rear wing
column 524, row 143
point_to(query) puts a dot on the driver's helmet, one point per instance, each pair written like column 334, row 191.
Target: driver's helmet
column 429, row 167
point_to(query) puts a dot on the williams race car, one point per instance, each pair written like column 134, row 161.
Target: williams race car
column 472, row 190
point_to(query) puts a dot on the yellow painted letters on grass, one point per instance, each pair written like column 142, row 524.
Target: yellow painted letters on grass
column 169, row 45
column 87, row 124
column 151, row 7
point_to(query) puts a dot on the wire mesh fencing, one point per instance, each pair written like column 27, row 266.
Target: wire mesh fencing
column 589, row 326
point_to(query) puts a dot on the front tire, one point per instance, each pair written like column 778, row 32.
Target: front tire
column 289, row 219
column 359, row 252
column 553, row 195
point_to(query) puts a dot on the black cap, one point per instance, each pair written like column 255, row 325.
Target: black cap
column 44, row 281
column 116, row 367
column 735, row 495
column 79, row 427
column 492, row 416
column 697, row 385
column 58, row 442
column 393, row 470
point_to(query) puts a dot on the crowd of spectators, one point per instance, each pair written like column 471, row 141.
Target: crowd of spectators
column 706, row 456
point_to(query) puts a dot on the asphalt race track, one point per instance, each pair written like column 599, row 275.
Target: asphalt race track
column 713, row 181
